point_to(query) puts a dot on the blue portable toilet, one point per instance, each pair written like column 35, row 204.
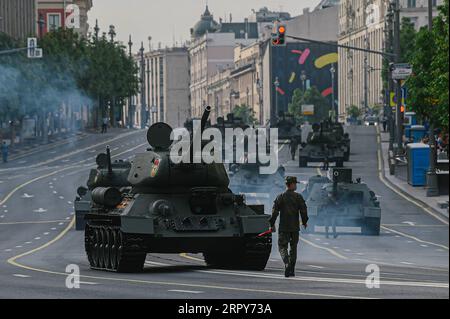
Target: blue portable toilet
column 418, row 163
column 410, row 120
column 417, row 132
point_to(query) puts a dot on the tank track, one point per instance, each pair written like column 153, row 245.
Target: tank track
column 108, row 249
column 252, row 254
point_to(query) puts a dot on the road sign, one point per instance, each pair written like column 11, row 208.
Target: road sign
column 401, row 71
column 308, row 109
column 33, row 52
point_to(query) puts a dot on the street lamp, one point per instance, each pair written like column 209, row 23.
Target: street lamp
column 96, row 30
column 130, row 99
column 304, row 77
column 277, row 85
column 41, row 23
column 112, row 32
column 143, row 106
column 432, row 179
column 333, row 102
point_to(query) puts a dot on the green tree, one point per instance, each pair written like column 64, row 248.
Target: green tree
column 428, row 87
column 312, row 96
column 246, row 114
column 354, row 112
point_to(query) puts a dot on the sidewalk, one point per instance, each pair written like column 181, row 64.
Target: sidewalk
column 418, row 193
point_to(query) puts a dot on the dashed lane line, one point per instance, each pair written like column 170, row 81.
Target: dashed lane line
column 414, row 238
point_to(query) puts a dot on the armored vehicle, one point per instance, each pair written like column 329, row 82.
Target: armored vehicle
column 154, row 205
column 342, row 138
column 288, row 130
column 246, row 179
column 340, row 201
column 321, row 146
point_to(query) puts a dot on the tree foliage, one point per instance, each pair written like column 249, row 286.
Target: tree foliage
column 311, row 96
column 73, row 71
column 246, row 113
column 428, row 87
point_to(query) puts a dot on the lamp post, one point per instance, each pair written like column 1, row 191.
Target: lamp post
column 303, row 77
column 41, row 23
column 112, row 33
column 130, row 98
column 333, row 102
column 398, row 89
column 432, row 179
column 143, row 104
column 277, row 85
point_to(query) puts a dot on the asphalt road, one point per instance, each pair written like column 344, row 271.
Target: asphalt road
column 37, row 241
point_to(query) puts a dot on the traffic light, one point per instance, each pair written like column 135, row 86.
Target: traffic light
column 279, row 37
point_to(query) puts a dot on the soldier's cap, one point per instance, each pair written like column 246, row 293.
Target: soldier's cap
column 291, row 180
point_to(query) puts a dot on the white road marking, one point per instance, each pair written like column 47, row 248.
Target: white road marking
column 61, row 224
column 46, row 233
column 55, row 192
column 8, row 250
column 61, row 197
column 406, row 263
column 186, row 291
column 409, row 223
column 88, row 283
column 425, row 246
column 21, row 276
column 28, row 242
column 53, row 228
column 5, row 211
column 40, row 210
column 2, row 216
column 69, row 202
column 37, row 238
column 318, row 267
column 25, row 195
column 19, row 246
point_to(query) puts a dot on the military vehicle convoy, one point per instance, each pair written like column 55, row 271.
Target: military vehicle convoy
column 321, row 146
column 288, row 130
column 152, row 205
column 342, row 138
column 340, row 201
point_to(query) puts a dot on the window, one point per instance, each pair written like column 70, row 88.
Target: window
column 411, row 3
column 54, row 21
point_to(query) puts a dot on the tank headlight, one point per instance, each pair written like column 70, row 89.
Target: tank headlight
column 161, row 208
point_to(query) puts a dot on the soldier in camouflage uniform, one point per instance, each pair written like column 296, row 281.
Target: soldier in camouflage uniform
column 290, row 206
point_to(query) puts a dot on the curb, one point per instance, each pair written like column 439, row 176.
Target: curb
column 400, row 190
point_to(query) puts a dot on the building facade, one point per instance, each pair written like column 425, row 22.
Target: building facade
column 18, row 18
column 166, row 85
column 363, row 24
column 211, row 51
column 53, row 14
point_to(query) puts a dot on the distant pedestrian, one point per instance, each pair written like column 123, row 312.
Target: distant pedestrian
column 105, row 125
column 5, row 151
column 293, row 147
column 385, row 122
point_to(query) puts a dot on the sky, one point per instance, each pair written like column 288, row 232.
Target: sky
column 169, row 20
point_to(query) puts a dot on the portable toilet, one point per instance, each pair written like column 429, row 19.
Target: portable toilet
column 418, row 163
column 410, row 119
column 416, row 132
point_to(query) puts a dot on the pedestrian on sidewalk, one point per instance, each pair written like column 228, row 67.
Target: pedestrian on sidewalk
column 385, row 124
column 5, row 151
column 291, row 207
column 105, row 125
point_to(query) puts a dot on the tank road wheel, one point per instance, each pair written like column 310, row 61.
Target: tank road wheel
column 113, row 249
column 102, row 250
column 89, row 244
column 303, row 161
column 106, row 248
column 96, row 248
column 371, row 226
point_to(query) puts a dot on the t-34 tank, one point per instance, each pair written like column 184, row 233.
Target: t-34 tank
column 246, row 179
column 164, row 207
column 342, row 138
column 288, row 130
column 321, row 146
column 341, row 202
